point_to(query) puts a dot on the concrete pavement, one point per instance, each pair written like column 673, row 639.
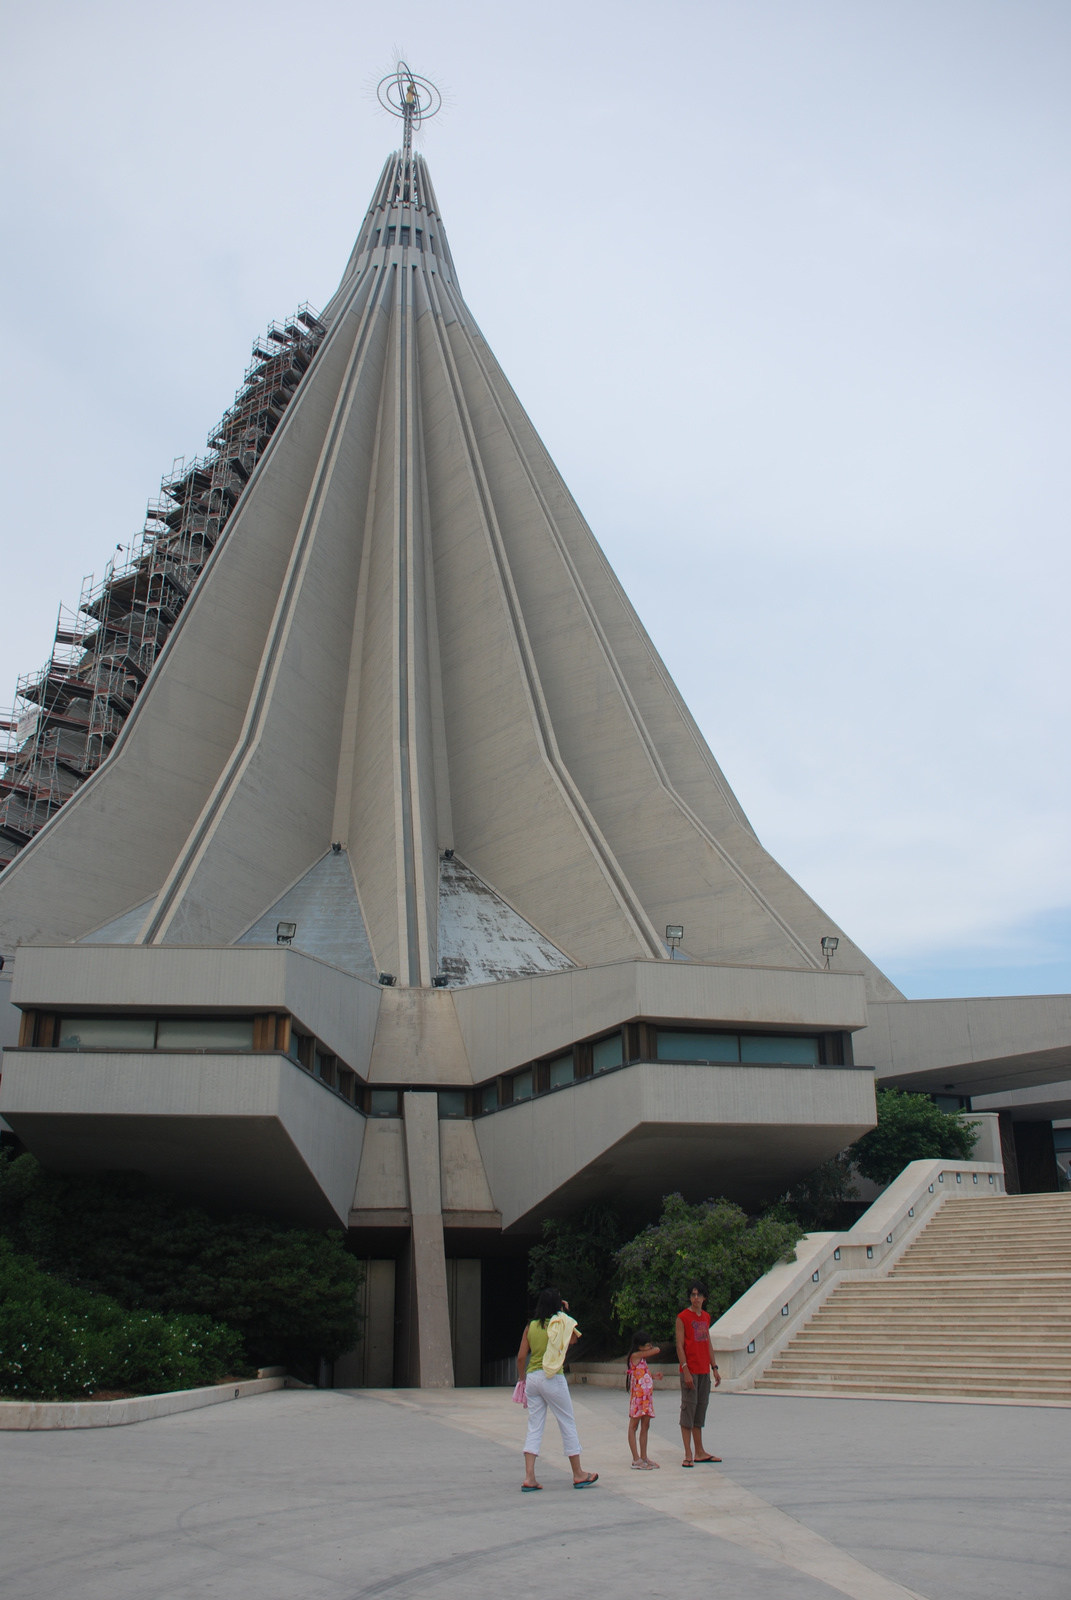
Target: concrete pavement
column 406, row 1493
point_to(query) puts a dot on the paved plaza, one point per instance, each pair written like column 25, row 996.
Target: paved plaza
column 408, row 1493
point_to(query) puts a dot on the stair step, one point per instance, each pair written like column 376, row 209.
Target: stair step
column 979, row 1305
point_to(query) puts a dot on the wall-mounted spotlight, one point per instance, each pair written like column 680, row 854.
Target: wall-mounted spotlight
column 387, row 979
column 336, row 849
column 674, row 935
column 448, row 855
column 829, row 945
column 440, row 981
column 284, row 932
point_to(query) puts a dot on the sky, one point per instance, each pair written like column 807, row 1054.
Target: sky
column 782, row 284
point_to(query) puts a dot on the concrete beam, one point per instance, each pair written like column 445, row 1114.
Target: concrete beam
column 971, row 1046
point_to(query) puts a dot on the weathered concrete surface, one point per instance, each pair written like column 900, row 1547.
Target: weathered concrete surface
column 341, row 1497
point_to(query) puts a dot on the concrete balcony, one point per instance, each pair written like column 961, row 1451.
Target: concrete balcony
column 642, row 1131
column 241, row 1130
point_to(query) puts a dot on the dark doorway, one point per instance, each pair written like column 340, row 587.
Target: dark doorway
column 1035, row 1157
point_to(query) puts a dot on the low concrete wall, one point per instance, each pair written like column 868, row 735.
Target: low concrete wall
column 756, row 1329
column 36, row 1415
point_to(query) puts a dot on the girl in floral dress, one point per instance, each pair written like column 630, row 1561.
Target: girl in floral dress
column 641, row 1397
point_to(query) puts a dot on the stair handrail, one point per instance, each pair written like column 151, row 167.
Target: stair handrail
column 757, row 1327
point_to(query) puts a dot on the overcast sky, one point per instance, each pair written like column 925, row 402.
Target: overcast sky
column 783, row 285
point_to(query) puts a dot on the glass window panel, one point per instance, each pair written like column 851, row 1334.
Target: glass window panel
column 697, row 1046
column 560, row 1070
column 383, row 1103
column 607, row 1053
column 107, row 1033
column 451, row 1102
column 489, row 1097
column 522, row 1085
column 779, row 1047
column 205, row 1033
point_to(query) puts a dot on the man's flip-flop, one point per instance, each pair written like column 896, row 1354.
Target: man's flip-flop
column 587, row 1483
column 531, row 1488
column 687, row 1463
column 706, row 1461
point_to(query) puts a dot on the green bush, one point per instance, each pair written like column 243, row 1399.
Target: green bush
column 713, row 1242
column 290, row 1292
column 62, row 1343
column 910, row 1128
column 577, row 1256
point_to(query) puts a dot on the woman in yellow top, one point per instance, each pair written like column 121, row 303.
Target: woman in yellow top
column 548, row 1390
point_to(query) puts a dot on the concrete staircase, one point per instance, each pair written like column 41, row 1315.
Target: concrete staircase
column 979, row 1306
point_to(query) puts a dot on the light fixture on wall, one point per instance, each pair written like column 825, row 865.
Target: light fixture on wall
column 284, row 932
column 829, row 946
column 387, row 979
column 674, row 935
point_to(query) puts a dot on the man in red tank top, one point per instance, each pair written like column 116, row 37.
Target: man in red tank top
column 694, row 1356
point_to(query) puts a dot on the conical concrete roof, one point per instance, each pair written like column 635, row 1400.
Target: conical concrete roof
column 408, row 643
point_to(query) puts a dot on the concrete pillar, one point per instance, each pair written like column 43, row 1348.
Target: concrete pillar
column 430, row 1363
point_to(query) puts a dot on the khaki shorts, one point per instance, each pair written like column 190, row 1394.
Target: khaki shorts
column 694, row 1400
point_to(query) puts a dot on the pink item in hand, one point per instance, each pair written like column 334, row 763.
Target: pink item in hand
column 520, row 1395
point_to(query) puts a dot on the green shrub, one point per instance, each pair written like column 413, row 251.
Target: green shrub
column 62, row 1343
column 910, row 1128
column 577, row 1256
column 714, row 1243
column 290, row 1292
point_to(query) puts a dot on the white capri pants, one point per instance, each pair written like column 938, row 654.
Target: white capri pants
column 549, row 1394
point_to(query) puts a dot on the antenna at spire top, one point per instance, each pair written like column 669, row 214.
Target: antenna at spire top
column 405, row 95
column 413, row 99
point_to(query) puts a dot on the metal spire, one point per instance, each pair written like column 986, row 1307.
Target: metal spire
column 414, row 99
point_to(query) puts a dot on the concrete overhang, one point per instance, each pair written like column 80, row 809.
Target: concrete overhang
column 340, row 1009
column 970, row 1046
column 640, row 1132
column 249, row 1132
column 1046, row 1102
column 504, row 1025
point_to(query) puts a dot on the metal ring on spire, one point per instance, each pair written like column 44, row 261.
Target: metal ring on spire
column 405, row 95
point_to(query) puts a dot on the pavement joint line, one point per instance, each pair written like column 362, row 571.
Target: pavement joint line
column 909, row 1399
column 721, row 1508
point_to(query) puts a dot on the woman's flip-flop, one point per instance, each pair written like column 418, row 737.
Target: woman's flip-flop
column 530, row 1488
column 687, row 1463
column 587, row 1483
column 706, row 1461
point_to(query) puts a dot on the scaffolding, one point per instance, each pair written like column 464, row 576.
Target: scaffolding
column 67, row 717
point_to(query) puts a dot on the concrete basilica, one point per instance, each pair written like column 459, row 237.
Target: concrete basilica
column 368, row 919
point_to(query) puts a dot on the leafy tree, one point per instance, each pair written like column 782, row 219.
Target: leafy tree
column 910, row 1128
column 713, row 1242
column 819, row 1200
column 58, row 1342
column 289, row 1292
column 577, row 1256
